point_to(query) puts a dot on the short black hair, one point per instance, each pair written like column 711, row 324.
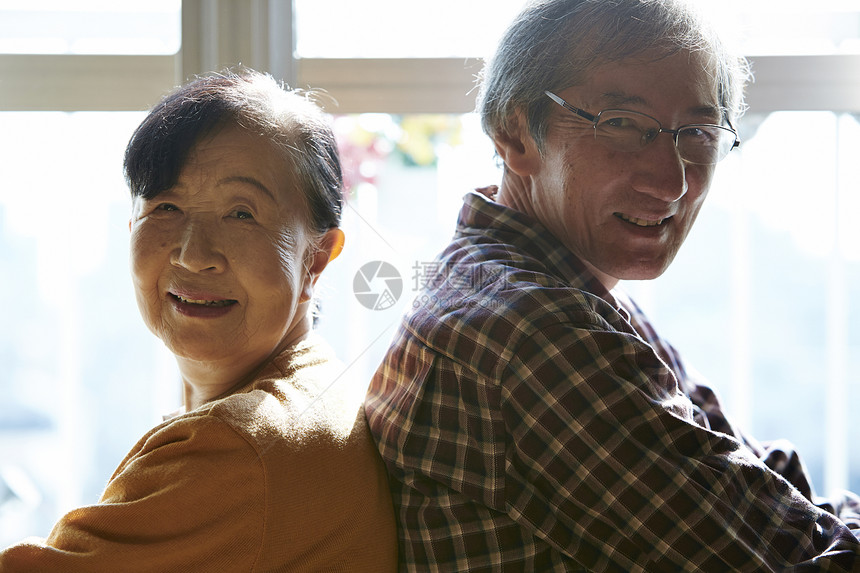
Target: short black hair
column 256, row 102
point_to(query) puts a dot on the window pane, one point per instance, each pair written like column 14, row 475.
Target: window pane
column 773, row 253
column 90, row 27
column 776, row 256
column 82, row 378
column 397, row 29
column 406, row 176
column 789, row 27
column 452, row 28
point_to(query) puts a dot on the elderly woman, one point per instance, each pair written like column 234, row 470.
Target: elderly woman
column 236, row 189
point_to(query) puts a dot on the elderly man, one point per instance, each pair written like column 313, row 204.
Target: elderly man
column 530, row 417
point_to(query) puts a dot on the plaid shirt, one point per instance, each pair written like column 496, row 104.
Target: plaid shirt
column 532, row 421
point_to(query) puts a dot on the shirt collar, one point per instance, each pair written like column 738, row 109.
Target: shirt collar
column 482, row 215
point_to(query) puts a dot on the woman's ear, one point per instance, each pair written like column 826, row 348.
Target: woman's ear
column 334, row 239
column 517, row 147
column 325, row 251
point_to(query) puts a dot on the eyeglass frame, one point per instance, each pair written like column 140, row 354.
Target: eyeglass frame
column 594, row 119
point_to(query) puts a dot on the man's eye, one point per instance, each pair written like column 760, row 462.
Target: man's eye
column 167, row 207
column 619, row 122
column 699, row 134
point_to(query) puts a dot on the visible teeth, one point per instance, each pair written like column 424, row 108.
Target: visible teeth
column 641, row 222
column 204, row 302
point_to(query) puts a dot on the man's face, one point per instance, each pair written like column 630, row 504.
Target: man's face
column 625, row 214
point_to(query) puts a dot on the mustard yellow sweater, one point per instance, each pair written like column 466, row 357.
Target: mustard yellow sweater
column 281, row 475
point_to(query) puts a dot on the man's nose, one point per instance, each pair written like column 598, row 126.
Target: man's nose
column 662, row 172
column 198, row 248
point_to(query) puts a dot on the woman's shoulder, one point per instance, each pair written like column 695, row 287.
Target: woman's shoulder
column 302, row 444
column 305, row 418
column 305, row 396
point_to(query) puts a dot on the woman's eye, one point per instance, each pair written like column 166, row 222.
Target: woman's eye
column 240, row 214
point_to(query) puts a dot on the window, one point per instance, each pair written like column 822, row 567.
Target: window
column 83, row 379
column 386, row 28
column 773, row 252
column 775, row 255
column 89, row 27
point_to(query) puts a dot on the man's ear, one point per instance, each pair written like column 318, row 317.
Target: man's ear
column 327, row 250
column 517, row 147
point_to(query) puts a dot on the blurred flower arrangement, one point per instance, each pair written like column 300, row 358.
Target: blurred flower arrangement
column 368, row 140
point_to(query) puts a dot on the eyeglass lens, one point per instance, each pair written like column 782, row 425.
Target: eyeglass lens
column 630, row 131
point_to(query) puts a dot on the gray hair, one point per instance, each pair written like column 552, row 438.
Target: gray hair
column 554, row 44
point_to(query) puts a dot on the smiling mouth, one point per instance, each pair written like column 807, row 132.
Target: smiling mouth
column 216, row 303
column 641, row 222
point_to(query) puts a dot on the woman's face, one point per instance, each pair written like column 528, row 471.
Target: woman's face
column 222, row 261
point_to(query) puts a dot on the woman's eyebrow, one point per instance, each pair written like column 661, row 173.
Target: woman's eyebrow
column 250, row 181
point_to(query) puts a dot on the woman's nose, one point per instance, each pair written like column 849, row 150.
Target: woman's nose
column 198, row 248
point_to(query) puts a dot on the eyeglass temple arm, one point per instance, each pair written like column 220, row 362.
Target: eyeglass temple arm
column 581, row 113
column 737, row 139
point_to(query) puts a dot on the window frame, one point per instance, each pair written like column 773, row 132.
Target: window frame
column 260, row 34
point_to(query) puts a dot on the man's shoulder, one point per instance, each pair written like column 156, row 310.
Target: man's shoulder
column 504, row 278
column 486, row 296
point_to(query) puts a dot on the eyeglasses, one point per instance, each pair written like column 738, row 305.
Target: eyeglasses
column 624, row 130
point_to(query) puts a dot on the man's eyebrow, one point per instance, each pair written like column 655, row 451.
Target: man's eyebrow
column 254, row 182
column 621, row 99
column 711, row 112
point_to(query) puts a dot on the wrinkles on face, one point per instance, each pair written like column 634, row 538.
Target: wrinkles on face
column 625, row 214
column 233, row 228
column 290, row 241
